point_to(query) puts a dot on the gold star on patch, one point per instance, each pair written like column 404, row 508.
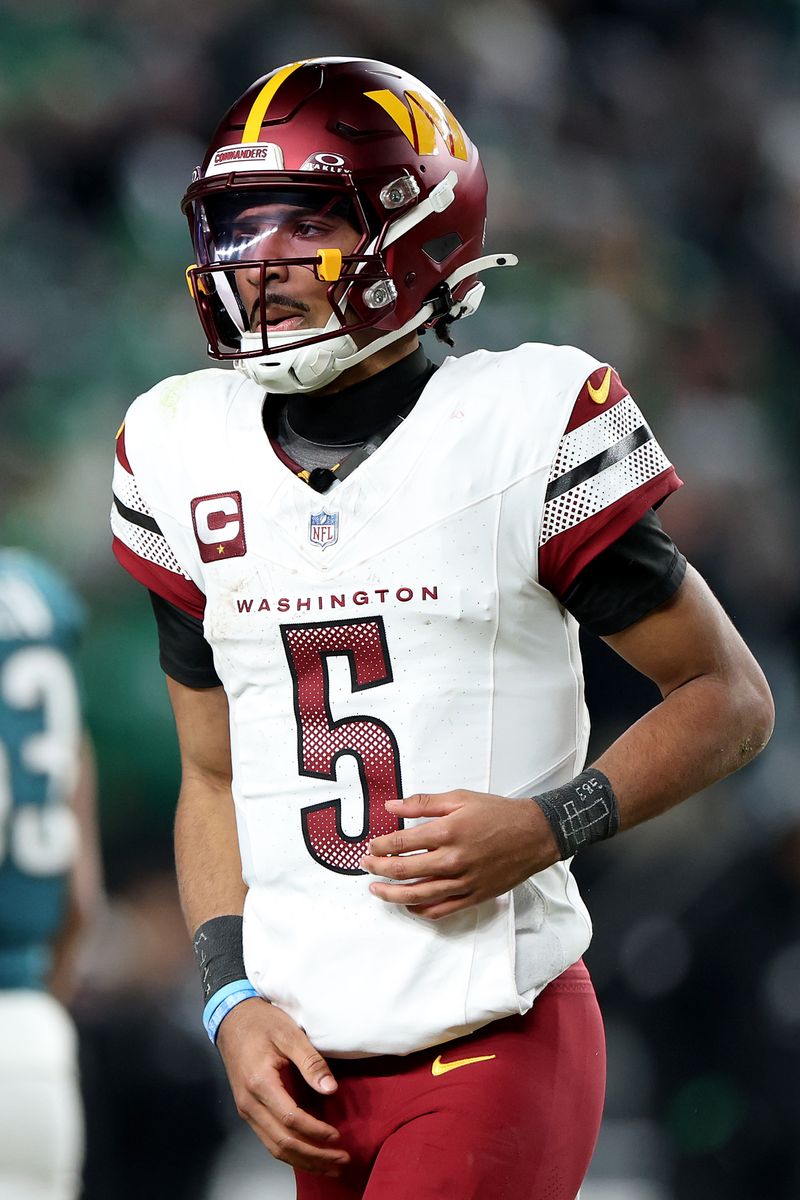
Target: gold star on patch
column 220, row 549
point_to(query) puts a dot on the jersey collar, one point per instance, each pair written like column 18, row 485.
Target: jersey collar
column 353, row 414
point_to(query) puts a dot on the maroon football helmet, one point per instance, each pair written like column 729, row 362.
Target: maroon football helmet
column 373, row 145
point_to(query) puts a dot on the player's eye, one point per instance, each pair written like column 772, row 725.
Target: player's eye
column 238, row 242
column 309, row 228
column 243, row 237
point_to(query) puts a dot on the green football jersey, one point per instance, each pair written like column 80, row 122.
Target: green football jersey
column 40, row 736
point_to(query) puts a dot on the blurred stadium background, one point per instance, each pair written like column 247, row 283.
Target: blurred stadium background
column 644, row 163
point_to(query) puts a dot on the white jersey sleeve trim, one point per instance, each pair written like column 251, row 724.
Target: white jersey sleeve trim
column 595, row 436
column 603, row 489
column 134, row 525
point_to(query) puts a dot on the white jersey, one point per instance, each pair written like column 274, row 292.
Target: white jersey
column 41, row 1134
column 398, row 634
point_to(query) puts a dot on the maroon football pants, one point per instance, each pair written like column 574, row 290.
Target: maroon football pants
column 519, row 1123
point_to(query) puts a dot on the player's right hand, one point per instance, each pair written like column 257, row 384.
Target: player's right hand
column 256, row 1040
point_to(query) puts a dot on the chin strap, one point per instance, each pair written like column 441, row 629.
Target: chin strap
column 315, row 365
column 459, row 308
column 438, row 199
column 480, row 264
column 462, row 308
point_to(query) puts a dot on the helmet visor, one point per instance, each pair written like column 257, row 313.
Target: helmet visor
column 279, row 223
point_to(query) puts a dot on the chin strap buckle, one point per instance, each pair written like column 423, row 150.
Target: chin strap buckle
column 441, row 301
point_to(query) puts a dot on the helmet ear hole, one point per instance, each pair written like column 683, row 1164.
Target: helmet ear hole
column 440, row 248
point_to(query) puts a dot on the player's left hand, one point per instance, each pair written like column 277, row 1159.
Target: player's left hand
column 475, row 846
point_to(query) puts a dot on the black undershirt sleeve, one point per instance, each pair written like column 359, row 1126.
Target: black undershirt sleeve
column 184, row 653
column 631, row 577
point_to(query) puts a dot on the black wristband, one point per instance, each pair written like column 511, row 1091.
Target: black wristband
column 581, row 812
column 218, row 950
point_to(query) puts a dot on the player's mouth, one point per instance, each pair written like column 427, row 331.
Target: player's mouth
column 280, row 315
column 278, row 323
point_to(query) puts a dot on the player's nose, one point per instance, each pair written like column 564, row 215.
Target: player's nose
column 250, row 277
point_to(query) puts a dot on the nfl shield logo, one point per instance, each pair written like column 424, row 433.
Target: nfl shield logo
column 323, row 529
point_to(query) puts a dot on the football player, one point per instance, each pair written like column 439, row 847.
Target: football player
column 49, row 878
column 368, row 576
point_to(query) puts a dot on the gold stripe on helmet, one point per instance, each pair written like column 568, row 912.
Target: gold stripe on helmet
column 396, row 109
column 449, row 129
column 263, row 100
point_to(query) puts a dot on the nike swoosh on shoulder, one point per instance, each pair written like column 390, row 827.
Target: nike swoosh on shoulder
column 600, row 395
column 440, row 1068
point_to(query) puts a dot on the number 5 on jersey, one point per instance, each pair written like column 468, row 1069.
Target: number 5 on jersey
column 321, row 740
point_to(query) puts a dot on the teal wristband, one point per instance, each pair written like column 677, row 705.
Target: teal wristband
column 222, row 1002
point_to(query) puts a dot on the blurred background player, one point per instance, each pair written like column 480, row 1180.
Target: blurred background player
column 49, row 878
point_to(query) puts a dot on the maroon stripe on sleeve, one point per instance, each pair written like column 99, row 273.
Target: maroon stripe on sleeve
column 564, row 556
column 602, row 390
column 177, row 589
column 122, row 456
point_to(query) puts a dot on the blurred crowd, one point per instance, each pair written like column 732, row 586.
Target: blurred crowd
column 644, row 164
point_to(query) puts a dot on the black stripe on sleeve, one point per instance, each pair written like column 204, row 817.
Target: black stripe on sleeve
column 593, row 466
column 635, row 574
column 184, row 653
column 136, row 518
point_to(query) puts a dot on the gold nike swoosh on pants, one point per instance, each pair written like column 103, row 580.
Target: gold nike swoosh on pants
column 440, row 1068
